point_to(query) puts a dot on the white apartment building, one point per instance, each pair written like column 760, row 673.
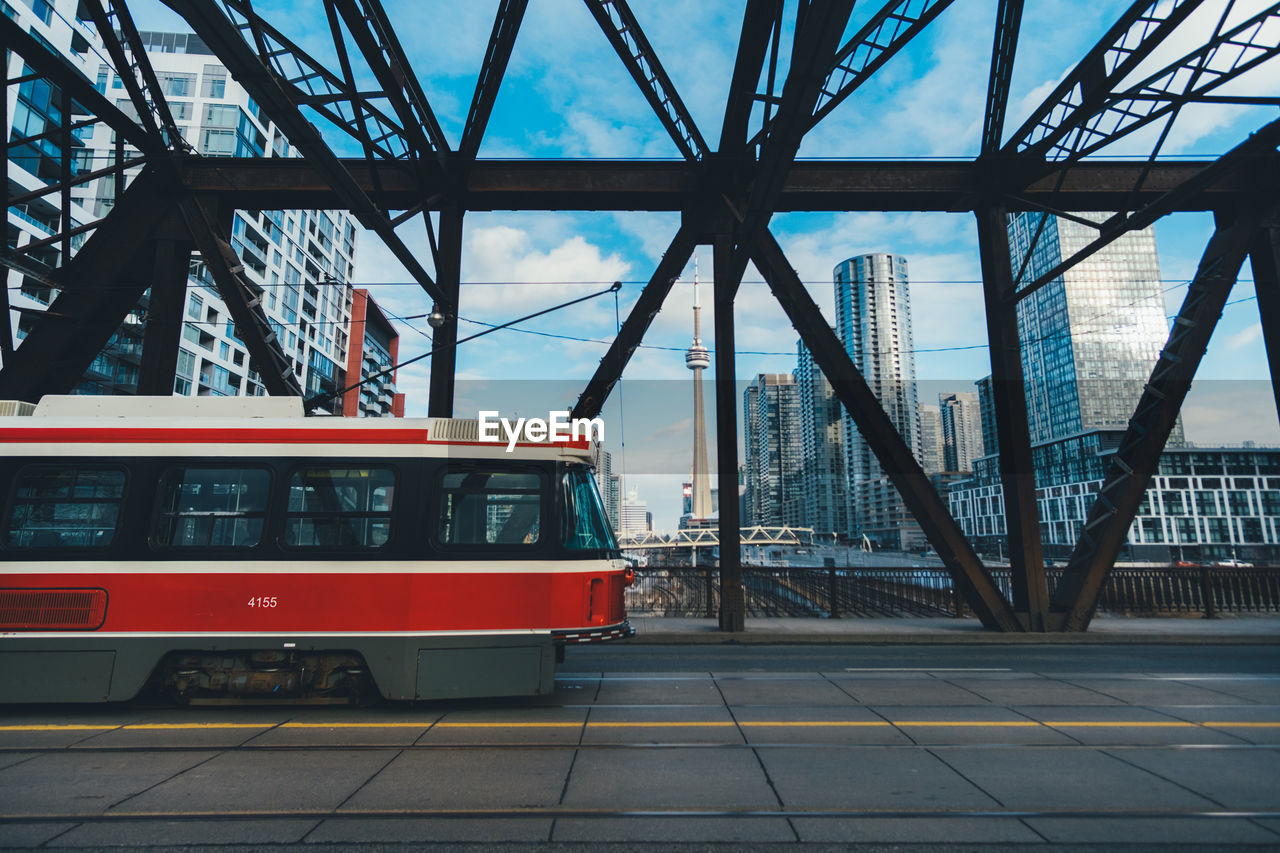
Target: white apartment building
column 301, row 260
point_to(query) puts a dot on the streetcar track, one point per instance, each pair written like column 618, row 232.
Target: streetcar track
column 579, row 812
column 1210, row 725
column 34, row 751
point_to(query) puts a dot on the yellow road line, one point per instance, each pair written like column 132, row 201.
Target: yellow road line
column 816, row 723
column 529, row 725
column 1106, row 724
column 971, row 723
column 422, row 725
column 158, row 727
column 673, row 724
column 649, row 724
column 57, row 727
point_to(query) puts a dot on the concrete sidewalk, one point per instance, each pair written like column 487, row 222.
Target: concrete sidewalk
column 1197, row 630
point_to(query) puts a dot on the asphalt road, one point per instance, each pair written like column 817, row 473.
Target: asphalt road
column 702, row 748
column 614, row 659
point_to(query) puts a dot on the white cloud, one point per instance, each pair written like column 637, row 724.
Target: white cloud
column 1245, row 337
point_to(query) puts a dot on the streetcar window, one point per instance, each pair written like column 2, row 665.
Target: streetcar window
column 586, row 526
column 60, row 507
column 212, row 507
column 490, row 508
column 339, row 507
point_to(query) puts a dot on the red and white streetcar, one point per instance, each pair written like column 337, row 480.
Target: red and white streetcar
column 230, row 547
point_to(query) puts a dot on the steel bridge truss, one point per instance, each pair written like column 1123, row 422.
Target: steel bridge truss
column 169, row 202
column 709, row 537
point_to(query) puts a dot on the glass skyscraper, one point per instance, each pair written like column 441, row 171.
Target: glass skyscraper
column 1091, row 336
column 873, row 321
column 771, row 418
column 824, row 500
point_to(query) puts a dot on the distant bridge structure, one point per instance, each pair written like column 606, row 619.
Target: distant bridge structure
column 710, row 536
column 795, row 63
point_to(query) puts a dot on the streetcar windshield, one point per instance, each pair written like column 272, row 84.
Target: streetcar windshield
column 586, row 526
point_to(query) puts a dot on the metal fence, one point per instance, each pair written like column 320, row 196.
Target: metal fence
column 863, row 592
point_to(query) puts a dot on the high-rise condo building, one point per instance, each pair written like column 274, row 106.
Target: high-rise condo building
column 1091, row 336
column 824, row 487
column 960, row 419
column 931, row 451
column 771, row 419
column 873, row 321
column 299, row 263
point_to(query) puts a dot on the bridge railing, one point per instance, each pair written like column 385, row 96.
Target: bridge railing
column 904, row 591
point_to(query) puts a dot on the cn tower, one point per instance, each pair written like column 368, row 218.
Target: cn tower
column 698, row 359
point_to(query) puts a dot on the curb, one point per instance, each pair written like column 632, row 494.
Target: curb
column 762, row 638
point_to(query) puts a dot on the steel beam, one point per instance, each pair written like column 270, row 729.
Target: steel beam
column 641, row 61
column 607, row 374
column 1107, row 524
column 100, row 284
column 1008, row 22
column 506, row 25
column 896, row 459
column 759, row 19
column 243, row 301
column 117, row 30
column 310, row 83
column 67, row 77
column 1138, row 32
column 888, row 31
column 817, row 35
column 270, row 93
column 871, row 185
column 170, row 269
column 1252, row 157
column 373, row 34
column 1017, row 470
column 1245, row 46
column 444, row 338
column 1264, row 257
column 732, row 599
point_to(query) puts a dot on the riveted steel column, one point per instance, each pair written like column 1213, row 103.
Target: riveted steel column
column 732, row 601
column 159, row 366
column 444, row 338
column 1017, row 471
column 1264, row 257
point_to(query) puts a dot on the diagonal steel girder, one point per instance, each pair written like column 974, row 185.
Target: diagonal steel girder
column 1264, row 260
column 895, row 457
column 373, row 34
column 607, row 374
column 816, row 42
column 120, row 37
column 506, row 25
column 242, row 301
column 1251, row 154
column 1122, row 490
column 1223, row 59
column 897, row 22
column 888, row 31
column 1138, row 32
column 63, row 74
column 1003, row 49
column 100, row 285
column 628, row 39
column 816, row 38
column 759, row 19
column 271, row 94
column 311, row 84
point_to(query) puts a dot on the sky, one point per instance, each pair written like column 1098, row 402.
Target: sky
column 567, row 95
